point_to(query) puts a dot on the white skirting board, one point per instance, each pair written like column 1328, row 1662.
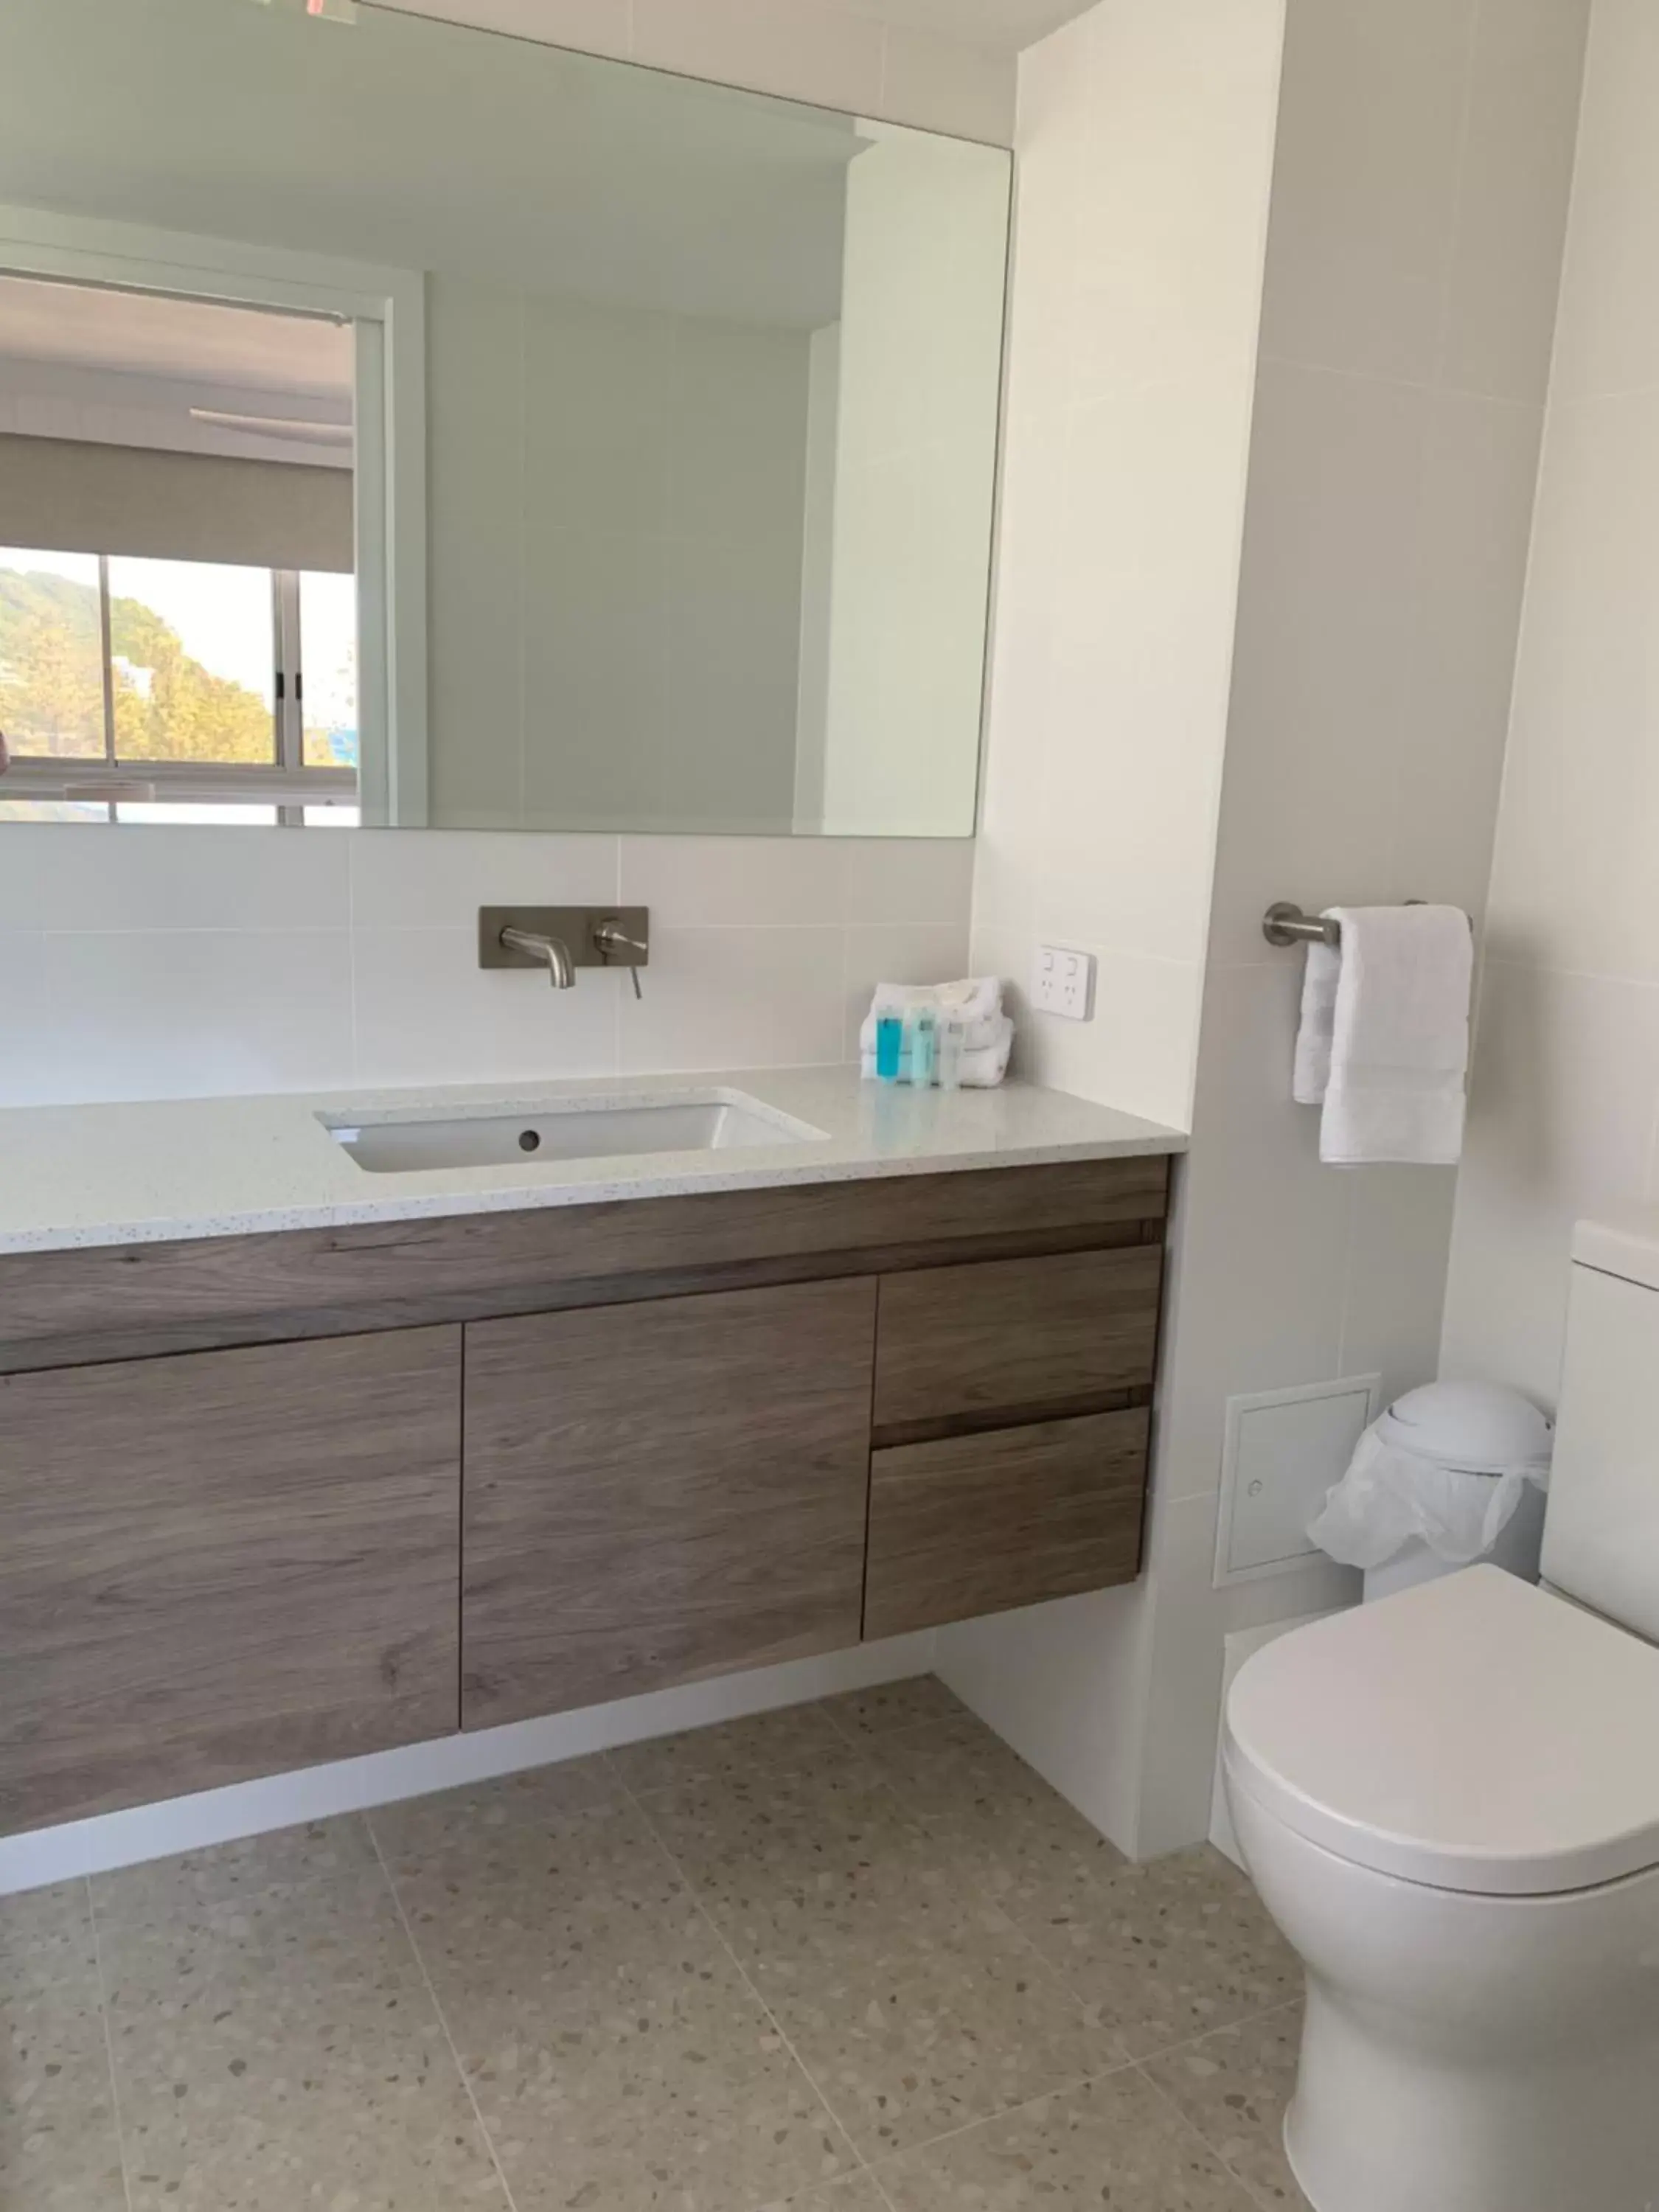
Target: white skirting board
column 1237, row 1648
column 351, row 1785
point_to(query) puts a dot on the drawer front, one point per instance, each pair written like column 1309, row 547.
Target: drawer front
column 970, row 1525
column 957, row 1346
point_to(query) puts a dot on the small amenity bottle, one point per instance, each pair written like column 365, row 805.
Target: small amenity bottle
column 951, row 1034
column 924, row 1034
column 889, row 1042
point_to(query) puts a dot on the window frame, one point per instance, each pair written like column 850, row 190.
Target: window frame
column 286, row 782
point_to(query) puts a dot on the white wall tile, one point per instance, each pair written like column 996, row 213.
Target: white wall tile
column 737, row 998
column 402, row 880
column 25, row 1075
column 894, row 953
column 184, row 1013
column 1567, row 1079
column 1608, row 340
column 1512, row 203
column 906, row 879
column 70, row 877
column 796, row 48
column 699, row 882
column 1573, row 881
column 425, row 1013
column 947, row 84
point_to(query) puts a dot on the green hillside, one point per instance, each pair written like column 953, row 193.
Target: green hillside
column 52, row 680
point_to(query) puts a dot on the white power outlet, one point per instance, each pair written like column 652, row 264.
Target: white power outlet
column 1063, row 982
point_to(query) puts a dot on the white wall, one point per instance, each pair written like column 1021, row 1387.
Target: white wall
column 1145, row 142
column 156, row 963
column 1564, row 1103
column 616, row 513
column 1418, row 202
column 918, row 377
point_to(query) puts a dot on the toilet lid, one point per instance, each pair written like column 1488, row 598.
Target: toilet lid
column 1473, row 1733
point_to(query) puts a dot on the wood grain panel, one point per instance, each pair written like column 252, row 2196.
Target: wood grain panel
column 131, row 1301
column 980, row 1524
column 964, row 1341
column 224, row 1565
column 660, row 1492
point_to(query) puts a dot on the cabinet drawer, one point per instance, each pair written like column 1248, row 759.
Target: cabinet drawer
column 956, row 1346
column 969, row 1525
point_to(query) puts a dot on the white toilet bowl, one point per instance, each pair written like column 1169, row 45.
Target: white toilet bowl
column 1449, row 1803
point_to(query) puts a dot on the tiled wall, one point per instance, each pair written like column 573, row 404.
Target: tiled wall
column 1145, row 151
column 850, row 57
column 1419, row 196
column 1566, row 1095
column 143, row 963
column 1145, row 141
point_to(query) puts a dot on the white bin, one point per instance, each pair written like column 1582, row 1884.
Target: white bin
column 1453, row 1472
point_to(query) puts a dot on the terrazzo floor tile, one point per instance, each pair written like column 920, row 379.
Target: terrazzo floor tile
column 857, row 2193
column 226, row 1872
column 799, row 1737
column 966, row 1781
column 282, row 2048
column 669, row 2085
column 46, row 1936
column 1167, row 1951
column 541, row 1908
column 890, row 1706
column 1113, row 2143
column 931, row 2044
column 1234, row 2087
column 540, row 1795
column 60, row 2150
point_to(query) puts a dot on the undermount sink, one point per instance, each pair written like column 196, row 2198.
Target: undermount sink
column 576, row 1132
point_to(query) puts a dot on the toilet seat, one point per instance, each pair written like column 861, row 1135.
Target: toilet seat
column 1473, row 1734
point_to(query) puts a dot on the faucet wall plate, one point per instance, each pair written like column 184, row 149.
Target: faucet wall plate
column 573, row 925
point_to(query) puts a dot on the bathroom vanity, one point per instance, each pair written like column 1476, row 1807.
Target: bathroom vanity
column 299, row 1461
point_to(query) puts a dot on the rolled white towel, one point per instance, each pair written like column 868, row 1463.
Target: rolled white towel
column 976, row 1004
column 982, row 1069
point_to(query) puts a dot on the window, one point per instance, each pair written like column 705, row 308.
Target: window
column 139, row 690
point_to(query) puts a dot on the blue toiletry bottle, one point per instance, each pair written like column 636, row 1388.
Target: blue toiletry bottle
column 889, row 1042
column 924, row 1035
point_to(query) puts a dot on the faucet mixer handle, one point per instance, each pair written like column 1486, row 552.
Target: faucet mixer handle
column 612, row 941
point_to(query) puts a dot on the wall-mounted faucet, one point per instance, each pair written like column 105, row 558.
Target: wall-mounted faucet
column 560, row 968
column 563, row 939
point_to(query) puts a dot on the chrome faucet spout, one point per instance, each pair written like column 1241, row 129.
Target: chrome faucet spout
column 561, row 969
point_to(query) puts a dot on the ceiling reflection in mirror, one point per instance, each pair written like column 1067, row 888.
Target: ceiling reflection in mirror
column 404, row 424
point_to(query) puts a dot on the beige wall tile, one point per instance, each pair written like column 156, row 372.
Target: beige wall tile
column 1365, row 184
column 1608, row 340
column 793, row 47
column 947, row 84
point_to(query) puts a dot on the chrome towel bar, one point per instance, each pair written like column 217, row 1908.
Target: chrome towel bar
column 1285, row 923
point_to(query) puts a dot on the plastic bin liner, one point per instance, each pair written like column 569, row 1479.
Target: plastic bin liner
column 1390, row 1495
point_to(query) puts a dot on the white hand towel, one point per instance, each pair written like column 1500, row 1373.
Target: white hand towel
column 1385, row 1038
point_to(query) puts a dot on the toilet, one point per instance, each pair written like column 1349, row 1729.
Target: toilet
column 1449, row 1801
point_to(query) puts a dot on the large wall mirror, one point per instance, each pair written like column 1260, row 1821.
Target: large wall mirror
column 403, row 423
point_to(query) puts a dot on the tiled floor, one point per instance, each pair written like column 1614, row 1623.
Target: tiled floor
column 854, row 1957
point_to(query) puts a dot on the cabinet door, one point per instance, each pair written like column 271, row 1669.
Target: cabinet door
column 655, row 1492
column 982, row 1523
column 222, row 1565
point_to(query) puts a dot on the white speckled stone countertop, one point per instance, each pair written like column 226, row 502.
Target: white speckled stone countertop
column 228, row 1167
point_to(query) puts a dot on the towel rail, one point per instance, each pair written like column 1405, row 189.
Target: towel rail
column 1285, row 923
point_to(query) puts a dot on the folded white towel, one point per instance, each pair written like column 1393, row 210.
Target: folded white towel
column 976, row 1004
column 982, row 1069
column 1384, row 1042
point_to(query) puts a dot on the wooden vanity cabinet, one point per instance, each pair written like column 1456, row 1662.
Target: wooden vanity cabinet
column 663, row 1491
column 222, row 1565
column 273, row 1500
